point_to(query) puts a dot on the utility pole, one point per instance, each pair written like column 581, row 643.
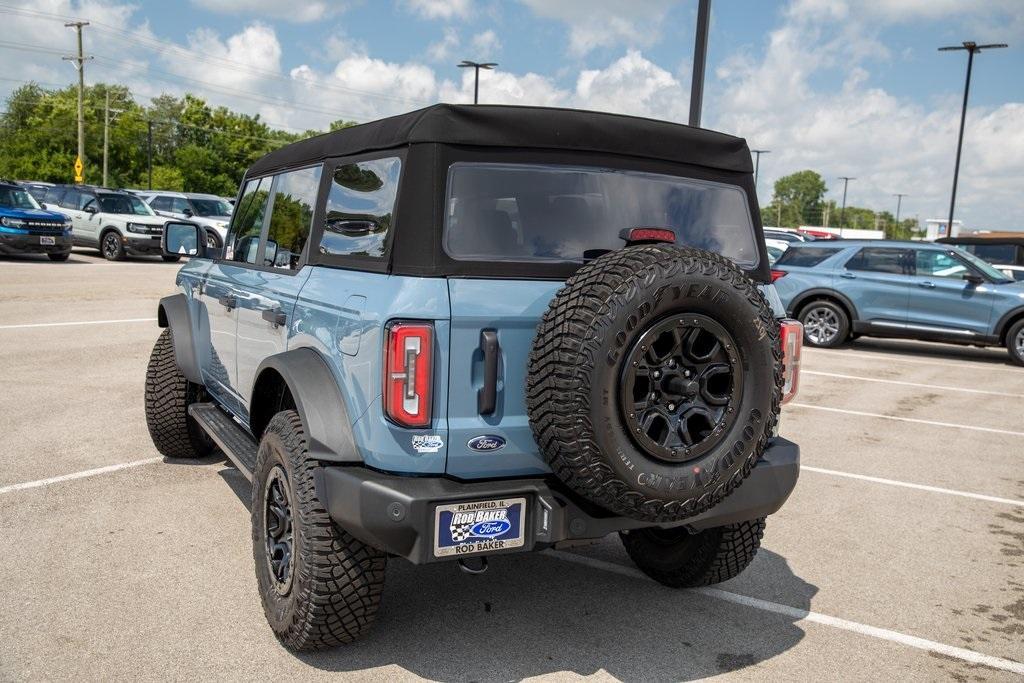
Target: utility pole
column 899, row 202
column 106, row 133
column 778, row 220
column 842, row 212
column 972, row 48
column 476, row 66
column 80, row 65
column 825, row 221
column 149, row 151
column 700, row 58
column 757, row 162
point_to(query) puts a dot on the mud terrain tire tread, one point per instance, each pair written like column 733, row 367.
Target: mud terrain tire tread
column 168, row 396
column 709, row 557
column 337, row 580
column 562, row 360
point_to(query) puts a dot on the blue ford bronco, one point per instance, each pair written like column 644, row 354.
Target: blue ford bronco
column 27, row 228
column 468, row 331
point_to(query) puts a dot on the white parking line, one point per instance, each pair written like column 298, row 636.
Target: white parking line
column 79, row 322
column 798, row 614
column 908, row 485
column 933, row 423
column 965, row 364
column 941, row 387
column 11, row 488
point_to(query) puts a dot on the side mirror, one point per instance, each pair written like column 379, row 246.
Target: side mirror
column 974, row 279
column 188, row 213
column 182, row 239
column 350, row 227
column 89, row 208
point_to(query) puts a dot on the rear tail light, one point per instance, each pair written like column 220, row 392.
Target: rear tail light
column 408, row 372
column 647, row 235
column 776, row 274
column 792, row 338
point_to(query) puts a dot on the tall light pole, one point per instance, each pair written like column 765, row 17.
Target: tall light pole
column 79, row 61
column 842, row 212
column 700, row 58
column 972, row 48
column 476, row 66
column 757, row 162
column 899, row 202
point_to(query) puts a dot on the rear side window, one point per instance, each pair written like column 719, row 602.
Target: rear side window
column 244, row 241
column 291, row 217
column 359, row 208
column 73, row 199
column 549, row 213
column 53, row 195
column 994, row 253
column 883, row 260
column 805, row 257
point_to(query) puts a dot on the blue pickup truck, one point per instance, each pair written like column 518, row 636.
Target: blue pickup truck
column 27, row 228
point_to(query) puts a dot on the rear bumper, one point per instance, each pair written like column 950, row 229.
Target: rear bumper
column 29, row 243
column 396, row 513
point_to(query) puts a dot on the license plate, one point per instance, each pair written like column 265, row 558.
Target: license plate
column 47, row 240
column 481, row 526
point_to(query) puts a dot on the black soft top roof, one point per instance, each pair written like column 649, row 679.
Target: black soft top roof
column 522, row 127
column 983, row 239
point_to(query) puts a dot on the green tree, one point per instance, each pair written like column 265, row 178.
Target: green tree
column 797, row 199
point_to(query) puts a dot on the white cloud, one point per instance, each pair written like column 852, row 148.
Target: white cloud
column 486, row 44
column 440, row 9
column 301, row 12
column 444, row 49
column 605, row 23
column 240, row 62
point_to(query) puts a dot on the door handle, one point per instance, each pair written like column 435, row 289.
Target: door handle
column 848, row 276
column 487, row 395
column 274, row 316
column 926, row 285
column 228, row 301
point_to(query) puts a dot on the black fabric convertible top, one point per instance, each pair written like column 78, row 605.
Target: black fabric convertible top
column 522, row 127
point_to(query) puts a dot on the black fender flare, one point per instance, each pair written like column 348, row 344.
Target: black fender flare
column 1004, row 321
column 173, row 312
column 818, row 292
column 318, row 402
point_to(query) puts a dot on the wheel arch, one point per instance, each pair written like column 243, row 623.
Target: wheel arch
column 1007, row 321
column 173, row 312
column 303, row 375
column 824, row 293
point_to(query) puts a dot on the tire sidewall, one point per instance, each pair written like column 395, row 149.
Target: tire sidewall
column 844, row 323
column 1011, row 338
column 649, row 301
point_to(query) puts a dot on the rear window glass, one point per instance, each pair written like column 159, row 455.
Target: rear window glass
column 805, row 257
column 993, row 253
column 523, row 212
column 883, row 260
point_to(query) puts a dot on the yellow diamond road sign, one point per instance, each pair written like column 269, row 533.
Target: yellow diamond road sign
column 78, row 169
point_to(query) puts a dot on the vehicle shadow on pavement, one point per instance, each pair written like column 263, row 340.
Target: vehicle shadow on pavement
column 41, row 259
column 535, row 614
column 996, row 355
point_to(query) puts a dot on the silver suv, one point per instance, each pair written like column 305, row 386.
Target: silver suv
column 207, row 210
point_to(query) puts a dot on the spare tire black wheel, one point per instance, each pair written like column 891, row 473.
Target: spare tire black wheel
column 654, row 381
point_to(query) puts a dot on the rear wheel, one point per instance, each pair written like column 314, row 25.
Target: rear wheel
column 680, row 559
column 1015, row 342
column 320, row 586
column 825, row 324
column 111, row 247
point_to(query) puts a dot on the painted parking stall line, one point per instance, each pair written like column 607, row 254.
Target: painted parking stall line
column 914, row 420
column 909, row 485
column 78, row 322
column 965, row 364
column 39, row 483
column 916, row 385
column 891, row 636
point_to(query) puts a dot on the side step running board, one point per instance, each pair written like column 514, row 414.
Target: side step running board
column 225, row 432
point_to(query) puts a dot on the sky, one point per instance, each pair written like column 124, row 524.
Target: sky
column 844, row 87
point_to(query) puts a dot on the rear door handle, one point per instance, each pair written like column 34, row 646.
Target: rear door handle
column 228, row 301
column 487, row 395
column 275, row 316
column 926, row 285
column 848, row 276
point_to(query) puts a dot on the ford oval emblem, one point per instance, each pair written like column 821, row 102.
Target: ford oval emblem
column 485, row 443
column 490, row 529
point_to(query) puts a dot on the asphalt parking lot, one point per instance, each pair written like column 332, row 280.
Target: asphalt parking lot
column 899, row 556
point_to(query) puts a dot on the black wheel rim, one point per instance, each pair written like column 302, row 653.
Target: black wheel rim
column 681, row 385
column 111, row 245
column 277, row 523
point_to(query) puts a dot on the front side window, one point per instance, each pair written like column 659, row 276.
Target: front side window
column 883, row 260
column 161, row 203
column 244, row 241
column 73, row 199
column 179, row 205
column 210, row 207
column 932, row 263
column 525, row 212
column 359, row 208
column 291, row 217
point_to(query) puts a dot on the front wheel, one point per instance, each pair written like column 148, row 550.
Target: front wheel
column 168, row 396
column 320, row 586
column 826, row 324
column 111, row 247
column 1015, row 342
column 680, row 559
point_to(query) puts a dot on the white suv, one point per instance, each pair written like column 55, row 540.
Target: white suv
column 207, row 210
column 114, row 221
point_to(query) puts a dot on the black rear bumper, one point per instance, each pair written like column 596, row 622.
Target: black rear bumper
column 396, row 513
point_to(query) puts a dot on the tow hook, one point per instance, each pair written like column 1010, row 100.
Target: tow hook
column 480, row 568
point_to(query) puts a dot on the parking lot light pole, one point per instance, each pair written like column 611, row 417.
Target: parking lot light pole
column 700, row 58
column 757, row 162
column 972, row 48
column 899, row 201
column 476, row 66
column 842, row 212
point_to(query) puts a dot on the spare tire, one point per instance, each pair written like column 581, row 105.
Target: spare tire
column 655, row 380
